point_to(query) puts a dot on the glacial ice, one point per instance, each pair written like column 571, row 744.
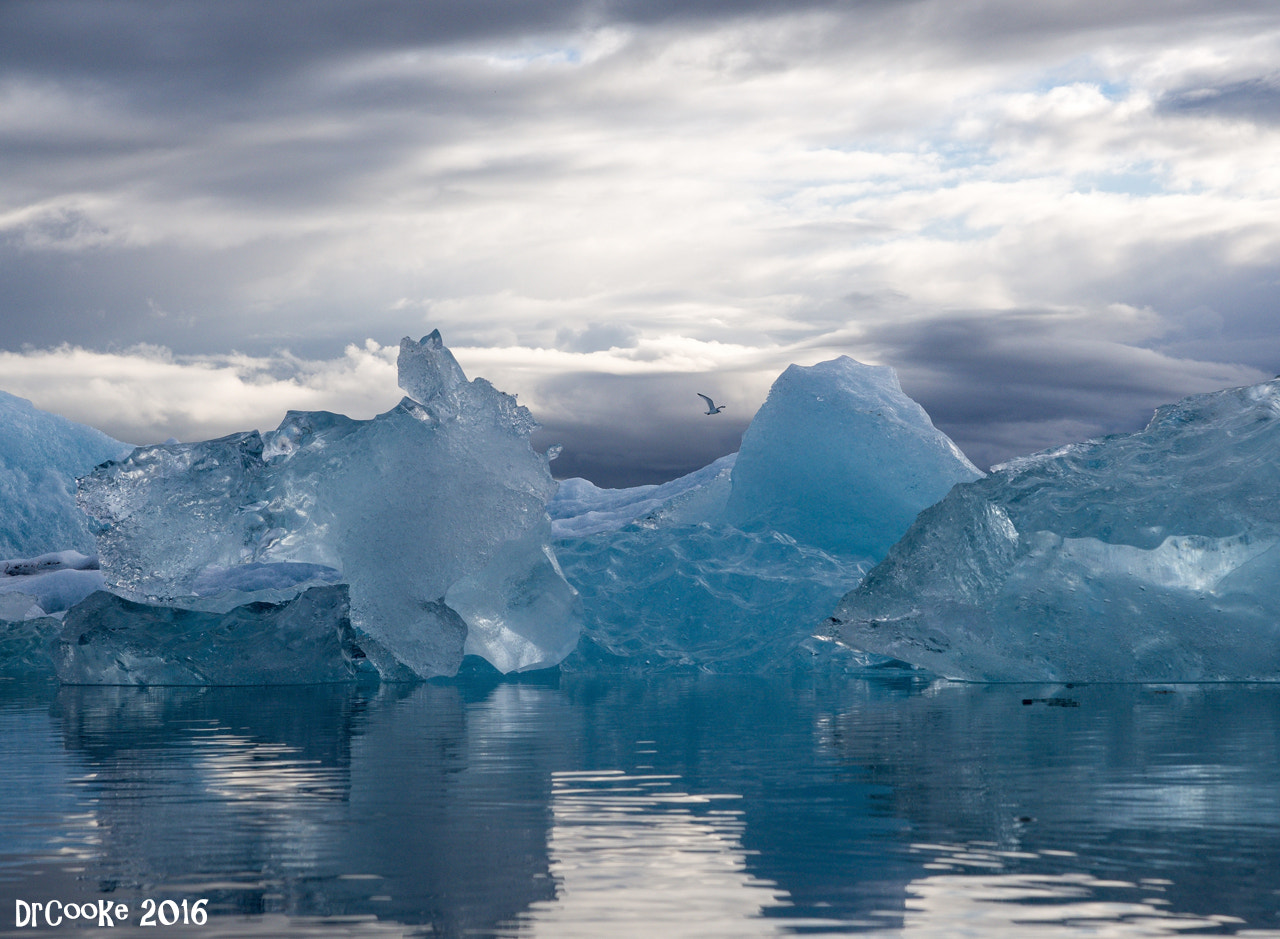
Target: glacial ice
column 107, row 639
column 26, row 645
column 728, row 568
column 840, row 458
column 580, row 508
column 1151, row 556
column 41, row 454
column 433, row 514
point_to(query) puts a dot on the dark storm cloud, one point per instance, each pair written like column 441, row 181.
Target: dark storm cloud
column 225, row 49
column 1254, row 99
column 1002, row 384
column 113, row 296
column 231, row 45
column 597, row 337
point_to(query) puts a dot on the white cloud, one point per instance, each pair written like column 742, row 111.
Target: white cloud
column 147, row 394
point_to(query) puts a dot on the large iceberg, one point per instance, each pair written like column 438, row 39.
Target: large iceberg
column 728, row 568
column 1152, row 556
column 41, row 454
column 433, row 514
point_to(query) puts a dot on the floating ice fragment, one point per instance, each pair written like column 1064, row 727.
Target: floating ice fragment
column 107, row 640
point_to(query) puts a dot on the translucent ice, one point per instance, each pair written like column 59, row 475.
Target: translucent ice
column 728, row 568
column 41, row 455
column 1145, row 557
column 433, row 513
column 840, row 458
column 704, row 596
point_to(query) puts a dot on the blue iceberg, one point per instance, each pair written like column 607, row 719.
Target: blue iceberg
column 1151, row 556
column 838, row 457
column 331, row 548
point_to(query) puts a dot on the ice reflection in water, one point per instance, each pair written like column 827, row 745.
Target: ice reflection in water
column 684, row 806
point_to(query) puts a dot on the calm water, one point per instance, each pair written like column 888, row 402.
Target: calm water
column 672, row 807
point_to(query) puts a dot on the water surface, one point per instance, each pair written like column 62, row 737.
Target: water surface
column 676, row 806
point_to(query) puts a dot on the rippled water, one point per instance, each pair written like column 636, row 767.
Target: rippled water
column 673, row 807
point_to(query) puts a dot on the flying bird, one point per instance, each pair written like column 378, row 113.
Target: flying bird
column 711, row 405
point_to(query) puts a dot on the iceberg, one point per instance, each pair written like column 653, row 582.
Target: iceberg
column 41, row 454
column 432, row 515
column 727, row 569
column 401, row 544
column 1151, row 556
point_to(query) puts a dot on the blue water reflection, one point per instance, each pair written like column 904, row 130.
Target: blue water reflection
column 571, row 806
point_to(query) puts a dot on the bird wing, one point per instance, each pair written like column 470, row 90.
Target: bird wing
column 710, row 403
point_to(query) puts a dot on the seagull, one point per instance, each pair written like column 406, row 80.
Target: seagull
column 711, row 405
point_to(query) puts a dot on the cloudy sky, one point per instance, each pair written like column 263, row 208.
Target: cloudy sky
column 1049, row 217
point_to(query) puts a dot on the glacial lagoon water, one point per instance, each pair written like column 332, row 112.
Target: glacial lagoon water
column 566, row 805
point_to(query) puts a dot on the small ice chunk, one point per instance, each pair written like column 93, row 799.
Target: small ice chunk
column 517, row 605
column 15, row 607
column 108, row 640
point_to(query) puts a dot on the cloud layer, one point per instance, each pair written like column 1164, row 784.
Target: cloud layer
column 1049, row 217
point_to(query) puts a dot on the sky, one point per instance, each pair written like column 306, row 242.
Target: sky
column 1049, row 217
